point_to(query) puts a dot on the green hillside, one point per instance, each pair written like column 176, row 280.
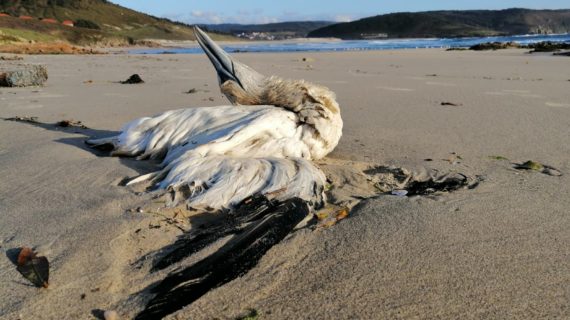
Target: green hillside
column 452, row 24
column 96, row 21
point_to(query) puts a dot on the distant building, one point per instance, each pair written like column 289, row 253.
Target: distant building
column 256, row 36
column 370, row 36
column 26, row 18
column 68, row 23
column 47, row 20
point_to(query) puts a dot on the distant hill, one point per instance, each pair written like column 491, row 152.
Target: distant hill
column 269, row 31
column 95, row 21
column 292, row 29
column 451, row 24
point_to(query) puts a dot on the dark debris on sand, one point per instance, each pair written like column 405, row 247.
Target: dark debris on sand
column 61, row 124
column 548, row 46
column 494, row 46
column 71, row 123
column 23, row 119
column 453, row 104
column 543, row 46
column 134, row 79
column 531, row 165
column 11, row 58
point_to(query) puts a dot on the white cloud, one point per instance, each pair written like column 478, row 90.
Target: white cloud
column 208, row 17
column 343, row 18
column 197, row 14
column 255, row 16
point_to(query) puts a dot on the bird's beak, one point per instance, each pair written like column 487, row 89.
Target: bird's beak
column 229, row 69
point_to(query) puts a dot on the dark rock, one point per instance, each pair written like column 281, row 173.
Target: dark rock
column 494, row 46
column 548, row 46
column 134, row 79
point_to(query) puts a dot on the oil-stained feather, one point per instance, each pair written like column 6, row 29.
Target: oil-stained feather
column 233, row 260
column 251, row 209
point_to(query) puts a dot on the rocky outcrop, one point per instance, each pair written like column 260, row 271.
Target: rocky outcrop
column 23, row 75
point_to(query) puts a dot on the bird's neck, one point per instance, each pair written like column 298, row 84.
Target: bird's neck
column 316, row 108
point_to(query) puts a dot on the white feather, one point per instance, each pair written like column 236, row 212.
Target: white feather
column 224, row 154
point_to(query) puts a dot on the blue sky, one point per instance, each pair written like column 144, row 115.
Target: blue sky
column 265, row 11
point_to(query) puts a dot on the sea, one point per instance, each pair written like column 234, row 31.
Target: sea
column 360, row 45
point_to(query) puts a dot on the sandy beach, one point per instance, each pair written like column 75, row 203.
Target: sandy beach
column 498, row 251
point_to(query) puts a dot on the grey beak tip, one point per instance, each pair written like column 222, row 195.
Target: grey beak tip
column 223, row 63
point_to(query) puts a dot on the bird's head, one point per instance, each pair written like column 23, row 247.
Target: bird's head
column 240, row 83
column 315, row 106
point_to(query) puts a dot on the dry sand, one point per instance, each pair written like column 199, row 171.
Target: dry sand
column 500, row 251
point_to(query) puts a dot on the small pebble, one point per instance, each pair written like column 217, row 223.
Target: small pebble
column 400, row 193
column 111, row 315
column 140, row 210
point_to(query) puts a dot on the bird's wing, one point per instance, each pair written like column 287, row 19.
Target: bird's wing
column 154, row 137
column 216, row 157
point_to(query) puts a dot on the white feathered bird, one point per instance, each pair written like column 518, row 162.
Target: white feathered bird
column 263, row 144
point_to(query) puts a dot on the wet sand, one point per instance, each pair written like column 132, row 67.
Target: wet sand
column 501, row 250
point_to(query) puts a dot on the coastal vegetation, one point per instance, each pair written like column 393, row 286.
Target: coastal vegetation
column 89, row 22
